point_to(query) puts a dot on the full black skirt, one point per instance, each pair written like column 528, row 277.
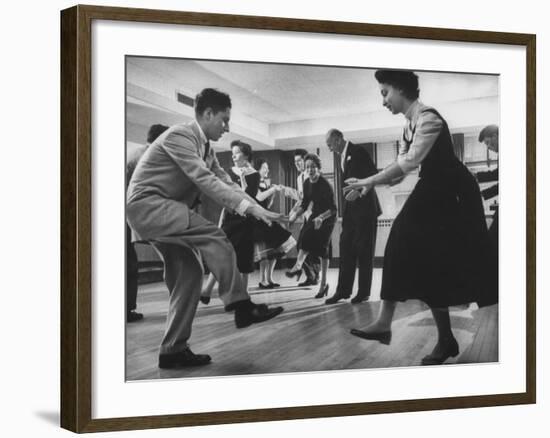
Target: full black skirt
column 238, row 230
column 271, row 241
column 439, row 250
column 316, row 242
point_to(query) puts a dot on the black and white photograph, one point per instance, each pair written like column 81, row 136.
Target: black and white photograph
column 294, row 218
column 275, row 219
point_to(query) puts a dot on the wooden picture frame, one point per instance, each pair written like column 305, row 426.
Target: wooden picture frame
column 76, row 217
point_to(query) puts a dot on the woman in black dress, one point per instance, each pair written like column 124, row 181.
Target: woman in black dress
column 237, row 227
column 246, row 233
column 265, row 195
column 438, row 248
column 316, row 233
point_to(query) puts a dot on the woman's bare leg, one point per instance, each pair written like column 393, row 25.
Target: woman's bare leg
column 324, row 269
column 264, row 266
column 269, row 270
column 384, row 319
column 302, row 255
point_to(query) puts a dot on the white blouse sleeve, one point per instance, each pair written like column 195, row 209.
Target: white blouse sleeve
column 428, row 128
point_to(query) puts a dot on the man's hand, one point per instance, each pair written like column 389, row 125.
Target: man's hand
column 261, row 213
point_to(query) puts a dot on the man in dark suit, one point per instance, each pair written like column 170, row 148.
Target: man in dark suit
column 170, row 176
column 489, row 136
column 359, row 222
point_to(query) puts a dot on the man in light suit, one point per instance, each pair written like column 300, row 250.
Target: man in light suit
column 167, row 182
column 359, row 222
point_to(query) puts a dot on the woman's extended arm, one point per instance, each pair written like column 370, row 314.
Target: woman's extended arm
column 428, row 128
column 262, row 196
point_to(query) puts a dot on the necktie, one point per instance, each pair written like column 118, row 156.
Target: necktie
column 206, row 149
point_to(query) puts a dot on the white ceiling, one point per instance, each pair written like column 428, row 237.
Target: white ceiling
column 282, row 93
column 287, row 101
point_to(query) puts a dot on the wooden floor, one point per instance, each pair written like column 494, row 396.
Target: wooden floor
column 307, row 336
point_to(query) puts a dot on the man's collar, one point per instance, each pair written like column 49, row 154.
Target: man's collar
column 202, row 135
column 344, row 151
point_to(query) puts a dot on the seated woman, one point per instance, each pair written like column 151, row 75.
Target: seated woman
column 245, row 232
column 316, row 233
column 438, row 246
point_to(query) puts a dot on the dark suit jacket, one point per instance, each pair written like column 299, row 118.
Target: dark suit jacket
column 358, row 164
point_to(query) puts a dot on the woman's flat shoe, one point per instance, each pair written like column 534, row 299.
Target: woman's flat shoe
column 265, row 286
column 297, row 274
column 451, row 351
column 274, row 285
column 323, row 292
column 382, row 337
column 205, row 299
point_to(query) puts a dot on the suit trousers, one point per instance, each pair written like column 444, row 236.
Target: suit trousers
column 183, row 256
column 357, row 245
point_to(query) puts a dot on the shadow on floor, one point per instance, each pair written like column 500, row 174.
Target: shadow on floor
column 51, row 417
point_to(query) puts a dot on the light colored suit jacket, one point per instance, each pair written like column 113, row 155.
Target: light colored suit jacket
column 168, row 180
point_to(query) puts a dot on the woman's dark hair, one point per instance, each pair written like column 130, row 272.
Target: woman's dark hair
column 154, row 132
column 258, row 163
column 404, row 80
column 315, row 158
column 245, row 148
column 211, row 98
column 300, row 152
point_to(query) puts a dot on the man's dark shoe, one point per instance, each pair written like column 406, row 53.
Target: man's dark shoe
column 308, row 282
column 185, row 358
column 359, row 299
column 336, row 297
column 133, row 316
column 251, row 313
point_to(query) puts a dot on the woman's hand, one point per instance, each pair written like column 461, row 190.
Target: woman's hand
column 357, row 187
column 317, row 222
column 275, row 188
column 262, row 214
column 292, row 217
